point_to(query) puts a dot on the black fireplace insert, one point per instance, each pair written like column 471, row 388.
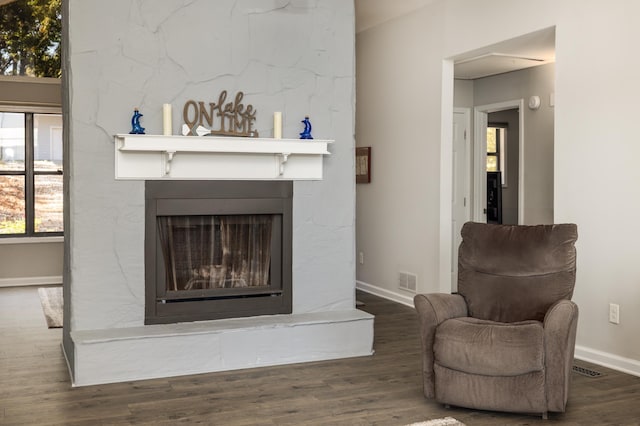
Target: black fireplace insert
column 217, row 249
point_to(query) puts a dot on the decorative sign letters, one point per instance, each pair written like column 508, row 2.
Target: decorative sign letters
column 222, row 118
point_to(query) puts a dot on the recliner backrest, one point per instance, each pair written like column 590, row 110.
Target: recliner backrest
column 512, row 273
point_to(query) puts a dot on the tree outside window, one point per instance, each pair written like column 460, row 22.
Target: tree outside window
column 30, row 34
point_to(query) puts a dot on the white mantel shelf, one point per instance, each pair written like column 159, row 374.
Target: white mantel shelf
column 151, row 157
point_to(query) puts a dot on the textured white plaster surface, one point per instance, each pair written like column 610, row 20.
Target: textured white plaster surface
column 291, row 56
column 168, row 350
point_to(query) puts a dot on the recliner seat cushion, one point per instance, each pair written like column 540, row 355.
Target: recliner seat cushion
column 490, row 348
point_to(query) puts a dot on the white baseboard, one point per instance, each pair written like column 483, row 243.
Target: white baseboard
column 605, row 359
column 405, row 299
column 26, row 281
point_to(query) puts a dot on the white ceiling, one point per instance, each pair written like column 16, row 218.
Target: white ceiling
column 526, row 51
column 522, row 52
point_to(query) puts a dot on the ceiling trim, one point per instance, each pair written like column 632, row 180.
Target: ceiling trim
column 492, row 64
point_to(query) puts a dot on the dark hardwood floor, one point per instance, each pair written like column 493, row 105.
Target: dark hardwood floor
column 383, row 389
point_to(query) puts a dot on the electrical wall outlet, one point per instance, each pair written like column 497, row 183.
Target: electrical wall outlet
column 614, row 313
column 361, row 258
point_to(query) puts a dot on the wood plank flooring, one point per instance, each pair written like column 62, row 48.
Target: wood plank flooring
column 383, row 389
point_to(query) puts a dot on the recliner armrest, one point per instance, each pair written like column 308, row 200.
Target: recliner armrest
column 560, row 326
column 432, row 310
column 438, row 307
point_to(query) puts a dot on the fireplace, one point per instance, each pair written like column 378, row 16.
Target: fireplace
column 217, row 249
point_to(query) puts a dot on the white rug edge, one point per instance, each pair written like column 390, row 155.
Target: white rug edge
column 445, row 421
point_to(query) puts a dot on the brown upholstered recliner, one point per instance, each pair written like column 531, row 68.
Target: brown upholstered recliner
column 506, row 341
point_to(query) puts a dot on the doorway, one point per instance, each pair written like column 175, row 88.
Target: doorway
column 497, row 84
column 503, row 137
column 504, row 114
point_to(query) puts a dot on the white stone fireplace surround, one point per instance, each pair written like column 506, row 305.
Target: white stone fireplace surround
column 162, row 350
column 291, row 56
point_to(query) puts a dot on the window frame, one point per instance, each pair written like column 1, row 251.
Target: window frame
column 501, row 149
column 29, row 171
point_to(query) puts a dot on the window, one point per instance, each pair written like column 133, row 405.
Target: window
column 497, row 150
column 30, row 174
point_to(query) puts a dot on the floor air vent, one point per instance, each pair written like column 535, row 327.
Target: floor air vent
column 586, row 371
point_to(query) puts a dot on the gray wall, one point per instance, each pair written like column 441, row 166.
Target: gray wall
column 295, row 57
column 538, row 132
column 404, row 62
column 463, row 94
column 22, row 263
column 28, row 91
column 398, row 115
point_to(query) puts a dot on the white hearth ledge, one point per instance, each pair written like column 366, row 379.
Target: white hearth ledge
column 124, row 354
column 154, row 157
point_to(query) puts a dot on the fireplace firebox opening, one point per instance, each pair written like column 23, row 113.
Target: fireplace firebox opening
column 217, row 249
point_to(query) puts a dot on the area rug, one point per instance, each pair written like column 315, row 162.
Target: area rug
column 445, row 421
column 51, row 300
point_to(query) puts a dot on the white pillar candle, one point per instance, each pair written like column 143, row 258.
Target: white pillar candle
column 277, row 125
column 166, row 120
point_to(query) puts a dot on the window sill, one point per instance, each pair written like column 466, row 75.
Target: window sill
column 31, row 240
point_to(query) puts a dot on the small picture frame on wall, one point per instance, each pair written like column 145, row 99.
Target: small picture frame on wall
column 363, row 164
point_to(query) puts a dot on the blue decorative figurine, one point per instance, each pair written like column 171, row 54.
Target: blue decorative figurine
column 136, row 128
column 306, row 134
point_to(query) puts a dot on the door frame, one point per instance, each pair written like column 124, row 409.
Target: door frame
column 468, row 180
column 480, row 120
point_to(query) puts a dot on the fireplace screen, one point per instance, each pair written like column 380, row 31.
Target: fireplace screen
column 215, row 252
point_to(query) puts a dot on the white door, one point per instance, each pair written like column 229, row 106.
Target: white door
column 461, row 202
